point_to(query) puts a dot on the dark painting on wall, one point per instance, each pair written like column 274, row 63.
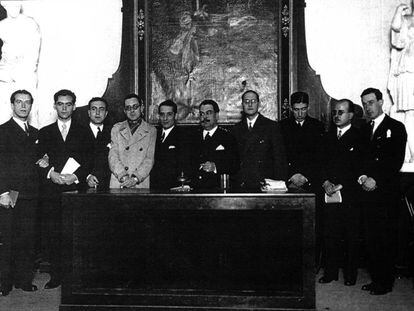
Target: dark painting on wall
column 208, row 49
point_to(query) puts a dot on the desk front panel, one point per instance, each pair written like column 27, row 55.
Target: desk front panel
column 192, row 250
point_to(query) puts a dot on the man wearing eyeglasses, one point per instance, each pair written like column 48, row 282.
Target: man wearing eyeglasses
column 261, row 146
column 60, row 141
column 131, row 156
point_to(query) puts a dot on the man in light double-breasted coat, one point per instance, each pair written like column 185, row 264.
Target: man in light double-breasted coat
column 131, row 156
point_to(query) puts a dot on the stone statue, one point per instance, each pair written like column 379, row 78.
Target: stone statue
column 401, row 75
column 20, row 54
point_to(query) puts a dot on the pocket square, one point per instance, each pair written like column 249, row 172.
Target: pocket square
column 352, row 149
column 108, row 145
column 37, row 141
column 171, row 147
column 220, row 147
column 388, row 133
column 261, row 142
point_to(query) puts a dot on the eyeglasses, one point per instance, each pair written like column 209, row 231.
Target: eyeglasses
column 250, row 101
column 133, row 107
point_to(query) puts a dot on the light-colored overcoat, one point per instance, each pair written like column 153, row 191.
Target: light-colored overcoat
column 132, row 154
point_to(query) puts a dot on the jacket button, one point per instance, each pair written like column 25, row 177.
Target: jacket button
column 126, row 168
column 376, row 159
column 127, row 148
column 140, row 149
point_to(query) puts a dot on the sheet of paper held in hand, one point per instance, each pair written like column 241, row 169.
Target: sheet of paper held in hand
column 13, row 196
column 70, row 167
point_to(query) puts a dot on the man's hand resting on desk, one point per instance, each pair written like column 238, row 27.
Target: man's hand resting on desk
column 92, row 181
column 129, row 182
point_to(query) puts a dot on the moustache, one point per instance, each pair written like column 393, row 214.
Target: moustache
column 205, row 120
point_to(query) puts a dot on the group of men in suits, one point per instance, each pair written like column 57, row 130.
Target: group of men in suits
column 364, row 163
column 363, row 166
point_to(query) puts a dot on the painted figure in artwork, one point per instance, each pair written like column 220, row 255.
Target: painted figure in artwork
column 19, row 54
column 401, row 76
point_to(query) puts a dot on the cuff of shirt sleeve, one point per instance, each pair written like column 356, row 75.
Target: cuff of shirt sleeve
column 50, row 171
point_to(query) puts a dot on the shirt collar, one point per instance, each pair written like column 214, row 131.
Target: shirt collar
column 211, row 132
column 67, row 123
column 94, row 128
column 167, row 131
column 378, row 120
column 252, row 122
column 344, row 129
column 21, row 123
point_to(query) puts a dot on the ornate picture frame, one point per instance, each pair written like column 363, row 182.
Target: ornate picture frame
column 191, row 50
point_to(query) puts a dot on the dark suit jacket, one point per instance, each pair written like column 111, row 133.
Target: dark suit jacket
column 383, row 158
column 18, row 155
column 59, row 151
column 262, row 152
column 97, row 150
column 221, row 149
column 303, row 146
column 170, row 159
column 342, row 164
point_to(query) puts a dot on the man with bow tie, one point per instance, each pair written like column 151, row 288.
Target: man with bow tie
column 385, row 140
column 172, row 150
column 131, row 156
column 18, row 172
column 61, row 140
column 99, row 142
column 215, row 149
column 260, row 145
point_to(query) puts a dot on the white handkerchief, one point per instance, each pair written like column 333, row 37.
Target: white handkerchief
column 171, row 147
column 388, row 133
column 220, row 147
column 109, row 145
column 70, row 167
column 37, row 141
column 334, row 198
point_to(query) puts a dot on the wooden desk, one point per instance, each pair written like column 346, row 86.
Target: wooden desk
column 137, row 250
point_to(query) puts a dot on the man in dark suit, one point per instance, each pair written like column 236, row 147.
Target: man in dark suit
column 340, row 172
column 98, row 144
column 60, row 140
column 215, row 149
column 385, row 141
column 18, row 172
column 303, row 137
column 172, row 150
column 260, row 144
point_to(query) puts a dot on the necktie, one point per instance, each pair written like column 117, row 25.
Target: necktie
column 99, row 133
column 250, row 127
column 207, row 137
column 339, row 134
column 26, row 129
column 64, row 131
column 372, row 123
